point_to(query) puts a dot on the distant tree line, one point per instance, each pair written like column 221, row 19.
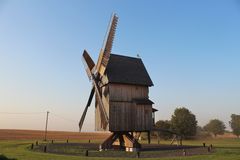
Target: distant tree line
column 184, row 123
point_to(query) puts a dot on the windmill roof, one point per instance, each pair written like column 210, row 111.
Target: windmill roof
column 128, row 70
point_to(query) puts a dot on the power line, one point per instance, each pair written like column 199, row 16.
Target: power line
column 66, row 119
column 35, row 113
column 29, row 113
column 24, row 113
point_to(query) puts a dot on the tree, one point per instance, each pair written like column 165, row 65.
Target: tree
column 165, row 126
column 235, row 124
column 201, row 133
column 184, row 122
column 215, row 127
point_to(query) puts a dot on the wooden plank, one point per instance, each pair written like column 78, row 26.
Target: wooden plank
column 123, row 114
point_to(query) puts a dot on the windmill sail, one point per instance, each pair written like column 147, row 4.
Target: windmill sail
column 104, row 116
column 89, row 66
column 88, row 63
column 86, row 108
column 94, row 72
column 107, row 46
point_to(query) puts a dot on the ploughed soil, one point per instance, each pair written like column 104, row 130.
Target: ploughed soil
column 9, row 134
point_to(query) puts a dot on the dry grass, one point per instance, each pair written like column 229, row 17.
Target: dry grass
column 8, row 134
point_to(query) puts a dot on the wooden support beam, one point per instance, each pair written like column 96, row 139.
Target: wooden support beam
column 149, row 137
column 121, row 141
column 126, row 140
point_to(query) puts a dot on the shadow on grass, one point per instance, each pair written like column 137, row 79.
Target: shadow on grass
column 234, row 148
column 152, row 147
column 2, row 157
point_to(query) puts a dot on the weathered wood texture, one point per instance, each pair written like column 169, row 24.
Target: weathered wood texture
column 124, row 92
column 123, row 113
column 99, row 125
column 129, row 117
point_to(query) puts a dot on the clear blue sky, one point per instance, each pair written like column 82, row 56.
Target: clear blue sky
column 191, row 50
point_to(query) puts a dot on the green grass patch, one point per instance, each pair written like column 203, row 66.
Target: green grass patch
column 224, row 149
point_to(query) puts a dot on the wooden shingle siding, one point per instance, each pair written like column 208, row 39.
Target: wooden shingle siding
column 122, row 92
column 123, row 113
column 129, row 117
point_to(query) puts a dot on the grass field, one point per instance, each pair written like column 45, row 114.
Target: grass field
column 224, row 148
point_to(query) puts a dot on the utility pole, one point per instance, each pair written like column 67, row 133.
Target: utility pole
column 45, row 135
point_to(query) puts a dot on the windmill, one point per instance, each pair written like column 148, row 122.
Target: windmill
column 121, row 86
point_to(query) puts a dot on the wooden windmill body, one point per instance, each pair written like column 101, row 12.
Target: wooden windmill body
column 122, row 104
